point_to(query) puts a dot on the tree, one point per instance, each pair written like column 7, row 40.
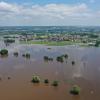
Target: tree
column 35, row 79
column 75, row 90
column 73, row 62
column 60, row 59
column 46, row 81
column 46, row 58
column 55, row 83
column 15, row 54
column 27, row 55
column 66, row 56
column 97, row 43
column 4, row 52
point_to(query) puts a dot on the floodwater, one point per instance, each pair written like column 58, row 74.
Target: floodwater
column 85, row 73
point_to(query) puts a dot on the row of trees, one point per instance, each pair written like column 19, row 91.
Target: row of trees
column 60, row 59
column 26, row 55
column 4, row 52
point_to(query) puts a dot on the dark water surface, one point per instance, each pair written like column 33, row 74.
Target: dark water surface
column 85, row 73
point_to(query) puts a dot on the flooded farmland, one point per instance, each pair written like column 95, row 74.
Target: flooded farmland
column 84, row 73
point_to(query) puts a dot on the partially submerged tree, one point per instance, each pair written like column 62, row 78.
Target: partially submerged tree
column 46, row 81
column 4, row 52
column 35, row 79
column 60, row 59
column 46, row 58
column 73, row 62
column 75, row 90
column 27, row 55
column 23, row 55
column 15, row 54
column 97, row 43
column 65, row 56
column 55, row 83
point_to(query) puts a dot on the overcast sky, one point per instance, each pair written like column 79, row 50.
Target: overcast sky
column 49, row 12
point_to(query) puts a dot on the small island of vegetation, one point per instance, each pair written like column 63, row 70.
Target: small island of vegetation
column 55, row 83
column 26, row 55
column 4, row 52
column 35, row 79
column 46, row 81
column 46, row 58
column 75, row 90
column 15, row 54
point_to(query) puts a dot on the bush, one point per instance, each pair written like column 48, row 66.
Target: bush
column 23, row 55
column 16, row 54
column 55, row 83
column 75, row 90
column 49, row 48
column 35, row 79
column 9, row 78
column 60, row 59
column 65, row 56
column 27, row 55
column 46, row 58
column 73, row 62
column 50, row 59
column 46, row 81
column 4, row 52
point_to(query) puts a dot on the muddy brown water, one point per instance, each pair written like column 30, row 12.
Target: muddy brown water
column 85, row 73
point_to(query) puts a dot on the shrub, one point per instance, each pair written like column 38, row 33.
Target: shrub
column 73, row 62
column 60, row 59
column 9, row 78
column 27, row 55
column 4, row 52
column 50, row 59
column 35, row 79
column 75, row 90
column 46, row 58
column 49, row 48
column 65, row 56
column 16, row 54
column 55, row 83
column 46, row 81
column 23, row 55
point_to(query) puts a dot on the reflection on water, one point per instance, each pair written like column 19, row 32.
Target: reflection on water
column 85, row 73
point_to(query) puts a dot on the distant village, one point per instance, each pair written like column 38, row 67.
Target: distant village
column 89, row 39
column 60, row 37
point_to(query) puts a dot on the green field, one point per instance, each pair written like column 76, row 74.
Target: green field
column 53, row 43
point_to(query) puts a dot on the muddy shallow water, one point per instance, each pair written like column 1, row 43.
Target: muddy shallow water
column 85, row 73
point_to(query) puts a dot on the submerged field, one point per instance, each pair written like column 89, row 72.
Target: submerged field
column 84, row 72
